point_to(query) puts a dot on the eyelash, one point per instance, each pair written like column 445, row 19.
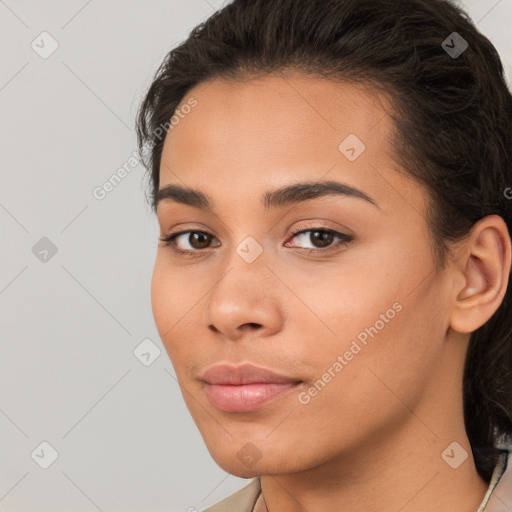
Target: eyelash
column 169, row 240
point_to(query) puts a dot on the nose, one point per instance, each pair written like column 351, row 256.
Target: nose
column 245, row 302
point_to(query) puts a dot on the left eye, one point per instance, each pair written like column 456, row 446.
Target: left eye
column 321, row 238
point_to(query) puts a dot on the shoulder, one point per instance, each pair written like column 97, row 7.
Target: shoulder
column 241, row 501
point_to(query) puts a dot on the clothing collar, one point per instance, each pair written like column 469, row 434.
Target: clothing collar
column 497, row 474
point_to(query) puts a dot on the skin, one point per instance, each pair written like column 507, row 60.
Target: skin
column 372, row 438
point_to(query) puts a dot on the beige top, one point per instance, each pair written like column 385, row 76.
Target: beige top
column 497, row 499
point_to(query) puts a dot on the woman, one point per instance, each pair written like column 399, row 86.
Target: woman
column 332, row 184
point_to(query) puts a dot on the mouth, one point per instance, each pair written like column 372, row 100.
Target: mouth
column 245, row 388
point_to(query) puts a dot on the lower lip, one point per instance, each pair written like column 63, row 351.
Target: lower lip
column 246, row 397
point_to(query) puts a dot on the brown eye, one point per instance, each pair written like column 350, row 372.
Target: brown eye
column 320, row 239
column 196, row 240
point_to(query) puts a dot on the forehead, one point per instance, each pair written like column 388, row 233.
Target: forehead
column 280, row 110
column 280, row 128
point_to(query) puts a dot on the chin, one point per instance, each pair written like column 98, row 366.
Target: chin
column 232, row 465
column 247, row 461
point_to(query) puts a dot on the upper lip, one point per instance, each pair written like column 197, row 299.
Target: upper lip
column 243, row 374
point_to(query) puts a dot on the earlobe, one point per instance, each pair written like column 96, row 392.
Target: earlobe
column 485, row 269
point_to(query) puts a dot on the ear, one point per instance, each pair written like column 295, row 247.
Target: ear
column 483, row 266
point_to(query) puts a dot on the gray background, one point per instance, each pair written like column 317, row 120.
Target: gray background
column 70, row 321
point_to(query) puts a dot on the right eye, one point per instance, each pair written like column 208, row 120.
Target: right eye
column 197, row 240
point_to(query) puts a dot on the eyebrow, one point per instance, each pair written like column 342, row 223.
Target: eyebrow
column 284, row 196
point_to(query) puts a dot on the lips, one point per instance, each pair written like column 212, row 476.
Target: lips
column 244, row 374
column 245, row 388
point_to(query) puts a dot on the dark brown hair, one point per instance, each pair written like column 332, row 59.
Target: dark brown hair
column 452, row 116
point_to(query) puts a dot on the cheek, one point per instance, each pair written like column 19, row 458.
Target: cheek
column 388, row 377
column 178, row 297
column 371, row 334
column 366, row 394
column 160, row 299
column 170, row 300
column 342, row 298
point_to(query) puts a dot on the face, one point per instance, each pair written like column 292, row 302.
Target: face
column 349, row 308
